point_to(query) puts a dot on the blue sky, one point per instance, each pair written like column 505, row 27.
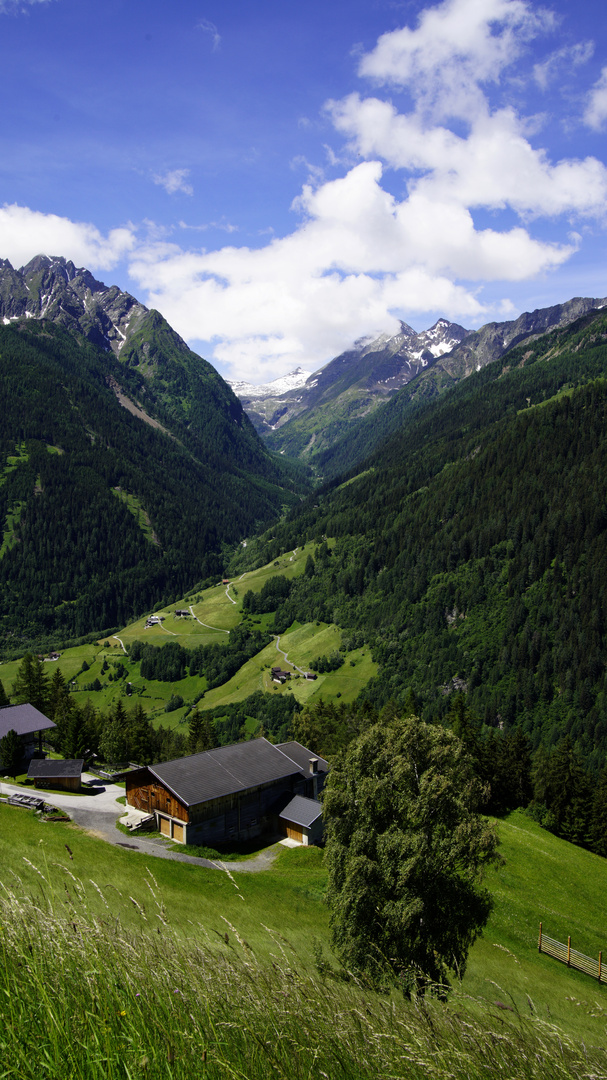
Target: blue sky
column 280, row 178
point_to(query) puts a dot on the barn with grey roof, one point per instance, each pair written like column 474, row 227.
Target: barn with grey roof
column 228, row 794
column 29, row 723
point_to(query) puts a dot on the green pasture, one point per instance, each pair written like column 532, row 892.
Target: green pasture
column 542, row 877
column 216, row 611
column 13, row 517
column 136, row 508
column 286, row 899
column 302, row 644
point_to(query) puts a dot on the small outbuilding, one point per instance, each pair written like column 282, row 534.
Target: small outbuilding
column 301, row 820
column 49, row 772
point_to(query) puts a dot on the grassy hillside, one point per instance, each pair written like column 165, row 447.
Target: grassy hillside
column 215, row 612
column 192, row 938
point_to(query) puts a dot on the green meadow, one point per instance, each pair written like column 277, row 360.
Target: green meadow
column 213, row 613
column 281, row 916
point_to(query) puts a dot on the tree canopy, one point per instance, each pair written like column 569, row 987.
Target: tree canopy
column 405, row 851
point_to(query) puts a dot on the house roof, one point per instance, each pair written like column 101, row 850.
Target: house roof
column 24, row 719
column 39, row 768
column 228, row 770
column 301, row 756
column 301, row 811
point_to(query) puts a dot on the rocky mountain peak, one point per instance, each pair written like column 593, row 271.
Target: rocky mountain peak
column 54, row 288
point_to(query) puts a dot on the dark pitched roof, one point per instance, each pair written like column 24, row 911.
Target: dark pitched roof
column 24, row 719
column 39, row 767
column 301, row 756
column 301, row 811
column 226, row 770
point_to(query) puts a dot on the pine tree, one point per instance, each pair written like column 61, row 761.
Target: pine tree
column 11, row 753
column 598, row 822
column 3, row 697
column 31, row 684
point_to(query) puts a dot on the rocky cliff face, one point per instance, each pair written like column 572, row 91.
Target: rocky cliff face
column 494, row 339
column 54, row 289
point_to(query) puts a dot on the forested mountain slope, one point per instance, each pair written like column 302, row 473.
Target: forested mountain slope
column 343, row 444
column 118, row 487
column 472, row 548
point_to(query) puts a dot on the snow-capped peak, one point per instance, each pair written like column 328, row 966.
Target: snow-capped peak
column 292, row 381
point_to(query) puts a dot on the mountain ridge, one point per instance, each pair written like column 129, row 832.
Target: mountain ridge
column 348, row 439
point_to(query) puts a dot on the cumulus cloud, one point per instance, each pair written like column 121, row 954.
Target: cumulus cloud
column 25, row 233
column 361, row 257
column 596, row 107
column 457, row 47
column 546, row 71
column 174, row 181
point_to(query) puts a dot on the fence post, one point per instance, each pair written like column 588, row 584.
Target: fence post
column 539, row 944
column 600, row 964
column 569, row 952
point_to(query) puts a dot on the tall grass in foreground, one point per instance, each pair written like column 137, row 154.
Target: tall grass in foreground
column 81, row 997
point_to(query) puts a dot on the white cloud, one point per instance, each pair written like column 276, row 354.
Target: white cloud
column 457, row 46
column 18, row 7
column 361, row 256
column 570, row 56
column 493, row 165
column 223, row 226
column 25, row 233
column 173, row 181
column 209, row 28
column 596, row 108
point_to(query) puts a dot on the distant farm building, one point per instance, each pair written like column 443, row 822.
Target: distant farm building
column 29, row 723
column 154, row 620
column 66, row 774
column 280, row 676
column 232, row 793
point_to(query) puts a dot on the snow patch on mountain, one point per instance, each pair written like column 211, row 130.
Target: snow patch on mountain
column 292, row 381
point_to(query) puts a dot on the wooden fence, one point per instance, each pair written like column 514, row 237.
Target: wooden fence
column 572, row 957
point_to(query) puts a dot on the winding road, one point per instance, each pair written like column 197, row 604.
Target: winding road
column 98, row 813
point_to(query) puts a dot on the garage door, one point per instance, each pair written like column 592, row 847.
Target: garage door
column 295, row 833
column 178, row 832
column 165, row 826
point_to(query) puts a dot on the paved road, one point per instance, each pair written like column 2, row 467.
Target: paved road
column 99, row 812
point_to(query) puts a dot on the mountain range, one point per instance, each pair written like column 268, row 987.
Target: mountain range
column 329, row 419
column 126, row 462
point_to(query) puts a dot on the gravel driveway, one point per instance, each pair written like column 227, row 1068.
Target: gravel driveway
column 99, row 812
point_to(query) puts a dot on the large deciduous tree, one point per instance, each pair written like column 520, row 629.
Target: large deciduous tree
column 405, row 851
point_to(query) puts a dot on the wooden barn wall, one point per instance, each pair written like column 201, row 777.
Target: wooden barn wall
column 145, row 793
column 245, row 815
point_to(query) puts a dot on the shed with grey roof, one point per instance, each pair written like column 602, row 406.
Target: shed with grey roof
column 50, row 772
column 227, row 794
column 301, row 820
